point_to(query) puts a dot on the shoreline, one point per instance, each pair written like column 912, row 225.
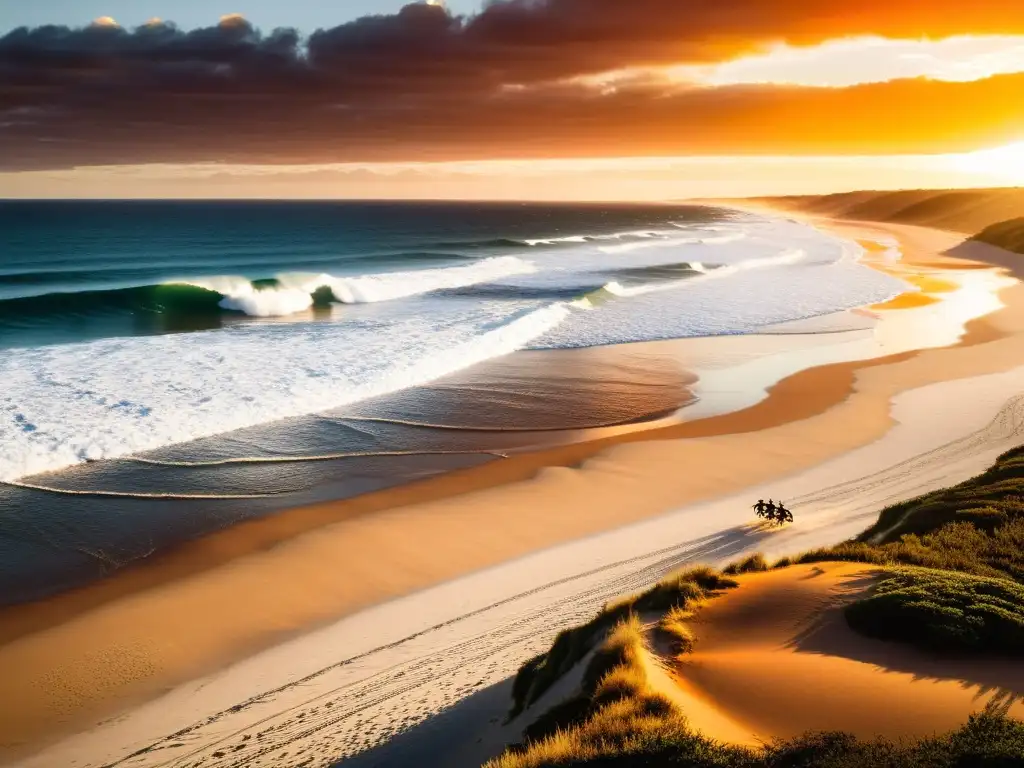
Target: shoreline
column 808, row 392
column 817, row 415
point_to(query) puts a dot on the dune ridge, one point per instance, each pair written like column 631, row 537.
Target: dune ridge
column 968, row 210
column 1008, row 235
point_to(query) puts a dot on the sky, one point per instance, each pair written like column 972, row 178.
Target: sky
column 595, row 99
column 306, row 15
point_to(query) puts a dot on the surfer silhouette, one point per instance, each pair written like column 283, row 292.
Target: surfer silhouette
column 774, row 513
column 783, row 515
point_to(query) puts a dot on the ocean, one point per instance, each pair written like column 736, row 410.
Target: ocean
column 173, row 368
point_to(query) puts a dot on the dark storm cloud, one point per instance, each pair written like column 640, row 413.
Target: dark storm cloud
column 422, row 84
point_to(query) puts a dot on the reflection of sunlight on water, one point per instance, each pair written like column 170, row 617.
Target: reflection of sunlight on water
column 737, row 372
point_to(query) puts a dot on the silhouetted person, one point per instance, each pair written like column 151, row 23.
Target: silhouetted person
column 769, row 511
column 760, row 508
column 783, row 515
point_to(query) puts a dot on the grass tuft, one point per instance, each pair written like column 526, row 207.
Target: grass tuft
column 677, row 590
column 675, row 626
column 752, row 564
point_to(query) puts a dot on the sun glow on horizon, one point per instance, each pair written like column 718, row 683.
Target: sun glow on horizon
column 1006, row 162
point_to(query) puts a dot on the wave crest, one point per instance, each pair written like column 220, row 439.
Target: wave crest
column 294, row 291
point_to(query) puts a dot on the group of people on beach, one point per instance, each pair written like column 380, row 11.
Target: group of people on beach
column 772, row 512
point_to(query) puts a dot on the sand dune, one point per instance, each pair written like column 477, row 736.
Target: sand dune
column 1008, row 235
column 969, row 210
column 777, row 656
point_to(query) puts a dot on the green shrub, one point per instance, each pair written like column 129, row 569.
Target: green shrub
column 993, row 498
column 943, row 611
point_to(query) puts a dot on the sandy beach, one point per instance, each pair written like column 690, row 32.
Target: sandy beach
column 324, row 632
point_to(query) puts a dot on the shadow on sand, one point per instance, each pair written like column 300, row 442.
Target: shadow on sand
column 997, row 681
column 973, row 250
column 467, row 734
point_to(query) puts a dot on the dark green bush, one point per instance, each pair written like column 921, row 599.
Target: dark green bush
column 943, row 611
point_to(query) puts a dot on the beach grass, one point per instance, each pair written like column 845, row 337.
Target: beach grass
column 752, row 564
column 675, row 627
column 615, row 712
column 537, row 675
column 943, row 611
column 626, row 735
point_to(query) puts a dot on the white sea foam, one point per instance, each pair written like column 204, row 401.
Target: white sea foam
column 727, row 299
column 65, row 404
column 668, row 242
column 268, row 302
column 643, row 234
column 553, row 240
column 786, row 258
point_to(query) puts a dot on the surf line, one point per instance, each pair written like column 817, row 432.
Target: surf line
column 136, row 495
column 512, row 430
column 297, row 459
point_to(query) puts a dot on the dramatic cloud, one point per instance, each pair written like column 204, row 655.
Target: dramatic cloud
column 422, row 84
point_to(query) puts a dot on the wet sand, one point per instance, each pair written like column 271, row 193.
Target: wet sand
column 81, row 656
column 100, row 518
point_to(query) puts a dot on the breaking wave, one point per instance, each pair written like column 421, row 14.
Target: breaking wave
column 295, row 291
column 286, row 294
column 680, row 275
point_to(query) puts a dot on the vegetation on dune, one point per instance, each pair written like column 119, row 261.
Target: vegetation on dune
column 750, row 564
column 944, row 611
column 1005, row 234
column 675, row 627
column 615, row 699
column 958, row 546
column 678, row 590
column 975, row 527
column 986, row 501
column 965, row 210
column 631, row 733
